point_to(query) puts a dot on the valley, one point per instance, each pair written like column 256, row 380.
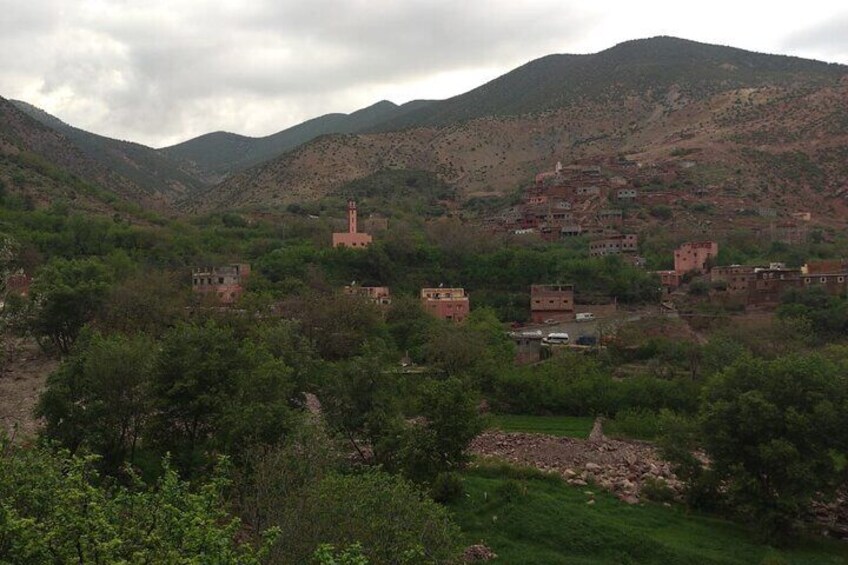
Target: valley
column 592, row 311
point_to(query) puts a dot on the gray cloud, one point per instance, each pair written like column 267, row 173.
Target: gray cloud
column 828, row 39
column 161, row 71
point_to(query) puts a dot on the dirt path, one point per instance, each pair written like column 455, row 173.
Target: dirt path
column 22, row 379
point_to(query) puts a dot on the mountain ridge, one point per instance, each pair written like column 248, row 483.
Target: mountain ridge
column 222, row 153
column 718, row 101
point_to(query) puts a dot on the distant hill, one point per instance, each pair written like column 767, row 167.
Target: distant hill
column 752, row 123
column 221, row 153
column 158, row 177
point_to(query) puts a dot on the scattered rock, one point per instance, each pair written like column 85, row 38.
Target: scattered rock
column 478, row 552
column 621, row 467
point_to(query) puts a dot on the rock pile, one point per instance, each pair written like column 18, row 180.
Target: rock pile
column 833, row 516
column 478, row 552
column 622, row 467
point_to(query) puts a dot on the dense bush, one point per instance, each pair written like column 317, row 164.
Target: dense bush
column 573, row 385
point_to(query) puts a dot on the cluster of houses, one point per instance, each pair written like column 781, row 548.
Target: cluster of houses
column 586, row 200
column 570, row 201
column 753, row 285
column 750, row 285
column 765, row 285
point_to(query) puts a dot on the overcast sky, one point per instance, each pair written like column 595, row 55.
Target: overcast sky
column 162, row 71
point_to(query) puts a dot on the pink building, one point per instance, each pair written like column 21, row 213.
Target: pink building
column 551, row 302
column 225, row 284
column 351, row 238
column 693, row 256
column 446, row 303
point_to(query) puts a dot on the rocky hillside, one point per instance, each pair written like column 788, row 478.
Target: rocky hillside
column 769, row 130
column 41, row 166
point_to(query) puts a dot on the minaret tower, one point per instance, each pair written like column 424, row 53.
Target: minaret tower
column 351, row 216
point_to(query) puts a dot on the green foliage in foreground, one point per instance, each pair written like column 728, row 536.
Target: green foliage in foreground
column 548, row 522
column 55, row 509
column 303, row 489
column 772, row 430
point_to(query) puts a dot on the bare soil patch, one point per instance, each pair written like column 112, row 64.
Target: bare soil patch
column 22, row 378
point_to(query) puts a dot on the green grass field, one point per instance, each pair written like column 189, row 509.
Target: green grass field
column 568, row 426
column 551, row 523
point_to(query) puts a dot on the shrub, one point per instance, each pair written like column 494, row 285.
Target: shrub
column 657, row 490
column 635, row 423
column 510, row 490
column 447, row 487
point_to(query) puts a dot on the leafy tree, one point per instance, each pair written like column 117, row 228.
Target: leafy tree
column 54, row 508
column 408, row 324
column 391, row 519
column 214, row 392
column 771, row 429
column 450, row 421
column 828, row 315
column 150, row 302
column 65, row 295
column 361, row 401
column 273, row 486
column 326, row 554
column 99, row 397
column 338, row 324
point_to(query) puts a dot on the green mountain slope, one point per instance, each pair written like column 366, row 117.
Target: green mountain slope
column 41, row 167
column 157, row 175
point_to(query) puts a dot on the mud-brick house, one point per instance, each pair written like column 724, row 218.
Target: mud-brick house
column 446, row 303
column 551, row 301
column 225, row 284
column 379, row 295
column 694, row 256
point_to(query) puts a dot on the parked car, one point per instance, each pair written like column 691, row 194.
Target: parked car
column 556, row 338
column 587, row 340
column 584, row 316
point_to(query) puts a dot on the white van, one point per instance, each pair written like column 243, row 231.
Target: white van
column 584, row 316
column 556, row 338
